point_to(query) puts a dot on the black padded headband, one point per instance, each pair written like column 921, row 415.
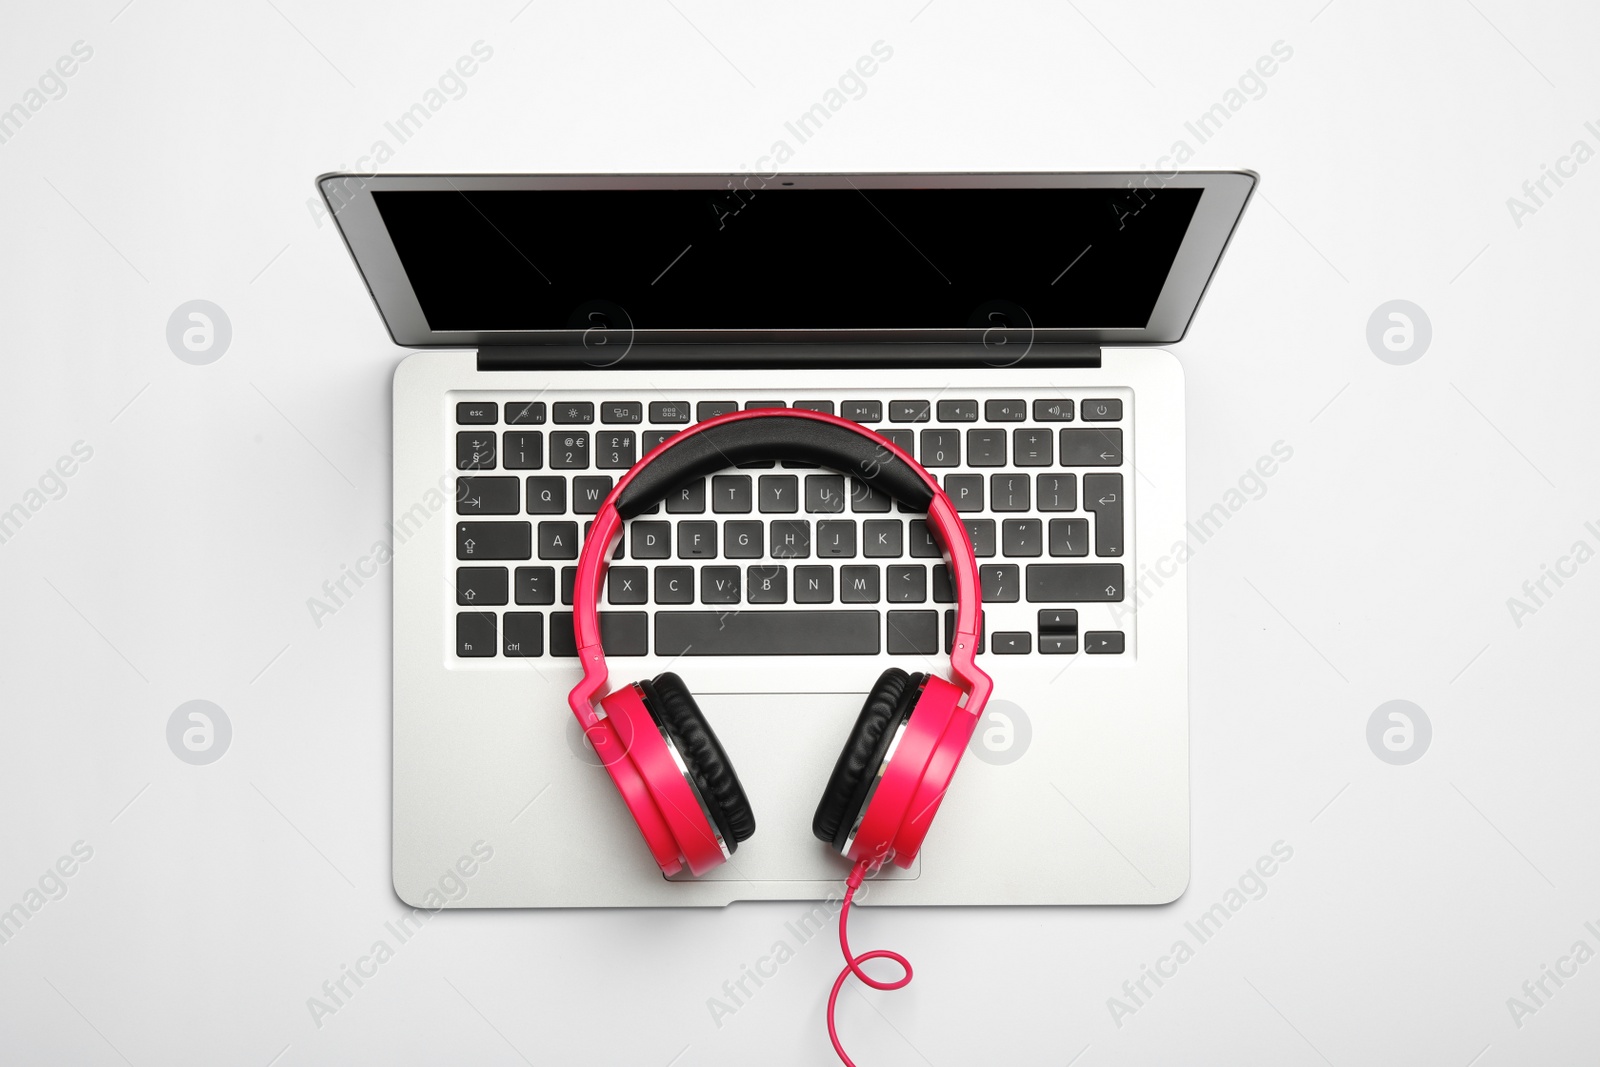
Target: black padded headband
column 696, row 453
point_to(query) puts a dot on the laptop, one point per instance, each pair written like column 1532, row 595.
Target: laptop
column 1003, row 328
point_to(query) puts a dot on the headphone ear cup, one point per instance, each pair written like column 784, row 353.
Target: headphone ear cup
column 674, row 709
column 889, row 704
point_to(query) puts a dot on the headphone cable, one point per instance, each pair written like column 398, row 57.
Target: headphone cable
column 852, row 963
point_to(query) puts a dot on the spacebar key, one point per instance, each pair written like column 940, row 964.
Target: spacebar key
column 1074, row 583
column 767, row 633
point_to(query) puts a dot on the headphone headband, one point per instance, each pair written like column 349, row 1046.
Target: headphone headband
column 774, row 433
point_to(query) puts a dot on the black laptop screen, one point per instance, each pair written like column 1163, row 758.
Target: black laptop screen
column 788, row 259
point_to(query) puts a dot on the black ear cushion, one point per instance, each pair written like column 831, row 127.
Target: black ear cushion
column 888, row 705
column 670, row 702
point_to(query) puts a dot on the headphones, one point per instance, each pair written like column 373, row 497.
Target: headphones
column 656, row 744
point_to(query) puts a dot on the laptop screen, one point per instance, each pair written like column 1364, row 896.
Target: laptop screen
column 775, row 258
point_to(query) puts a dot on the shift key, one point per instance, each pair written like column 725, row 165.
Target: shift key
column 1102, row 494
column 1073, row 583
column 494, row 540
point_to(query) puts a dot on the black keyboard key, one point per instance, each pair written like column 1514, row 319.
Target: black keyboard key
column 907, row 584
column 981, row 533
column 730, row 493
column 766, row 583
column 621, row 411
column 615, row 449
column 836, row 539
column 803, row 632
column 671, row 411
column 1104, row 643
column 1102, row 494
column 589, row 491
column 650, row 440
column 487, row 496
column 1011, row 643
column 941, row 448
column 475, row 451
column 862, row 410
column 1058, row 631
column 858, row 585
column 824, row 493
column 883, row 538
column 1069, row 537
column 569, row 579
column 1001, row 582
column 1022, row 537
column 1005, row 410
column 674, row 585
column 950, row 630
column 908, row 411
column 650, row 540
column 825, row 407
column 688, row 499
column 547, row 496
column 525, row 413
column 965, row 491
column 1102, row 411
column 523, row 450
column 944, row 592
column 535, row 585
column 524, row 634
column 1052, row 411
column 574, row 412
column 923, row 544
column 569, row 451
column 626, row 585
column 757, row 405
column 813, row 585
column 1008, row 492
column 1032, row 448
column 1069, row 583
column 790, row 538
column 475, row 412
column 718, row 585
column 986, row 448
column 779, row 493
column 710, row 409
column 742, row 540
column 481, row 586
column 864, row 498
column 913, row 633
column 697, row 540
column 475, row 633
column 1100, row 447
column 494, row 540
column 622, row 633
column 557, row 540
column 958, row 411
column 1057, row 492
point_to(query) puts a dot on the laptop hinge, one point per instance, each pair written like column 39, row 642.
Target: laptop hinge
column 621, row 356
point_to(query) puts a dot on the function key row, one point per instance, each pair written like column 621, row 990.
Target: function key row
column 669, row 412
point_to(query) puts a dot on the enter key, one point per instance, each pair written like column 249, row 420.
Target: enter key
column 1102, row 494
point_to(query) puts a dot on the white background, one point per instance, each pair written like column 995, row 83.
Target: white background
column 1377, row 565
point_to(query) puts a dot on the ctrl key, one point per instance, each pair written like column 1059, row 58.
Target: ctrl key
column 474, row 633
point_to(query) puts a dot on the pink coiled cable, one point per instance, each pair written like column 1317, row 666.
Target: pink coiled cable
column 852, row 963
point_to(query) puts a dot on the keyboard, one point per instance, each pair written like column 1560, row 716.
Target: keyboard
column 786, row 558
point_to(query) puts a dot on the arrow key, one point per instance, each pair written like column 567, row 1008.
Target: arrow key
column 1104, row 642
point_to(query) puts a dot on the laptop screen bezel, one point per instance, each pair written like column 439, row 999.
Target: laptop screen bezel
column 350, row 201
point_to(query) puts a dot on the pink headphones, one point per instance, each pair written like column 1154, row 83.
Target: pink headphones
column 651, row 736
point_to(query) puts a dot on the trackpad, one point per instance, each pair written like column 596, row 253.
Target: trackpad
column 784, row 748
